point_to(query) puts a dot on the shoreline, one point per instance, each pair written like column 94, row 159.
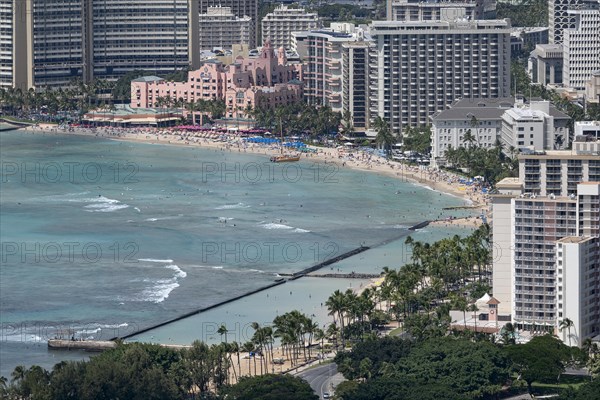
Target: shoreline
column 359, row 161
column 434, row 180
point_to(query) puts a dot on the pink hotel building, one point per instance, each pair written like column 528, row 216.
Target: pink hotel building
column 268, row 80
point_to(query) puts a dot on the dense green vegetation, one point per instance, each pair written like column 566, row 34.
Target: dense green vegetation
column 448, row 367
column 417, row 139
column 527, row 14
column 491, row 163
column 297, row 118
column 270, row 387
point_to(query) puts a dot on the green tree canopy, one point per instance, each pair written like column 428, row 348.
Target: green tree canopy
column 270, row 387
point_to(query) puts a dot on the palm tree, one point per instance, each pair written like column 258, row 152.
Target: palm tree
column 566, row 324
column 249, row 347
column 384, row 138
column 468, row 138
column 223, row 331
column 235, row 347
column 18, row 374
column 347, row 125
column 336, row 304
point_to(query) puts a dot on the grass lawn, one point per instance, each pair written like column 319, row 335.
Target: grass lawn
column 396, row 331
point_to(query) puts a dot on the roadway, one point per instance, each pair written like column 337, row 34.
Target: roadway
column 322, row 379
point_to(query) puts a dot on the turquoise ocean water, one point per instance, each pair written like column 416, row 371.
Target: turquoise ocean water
column 101, row 238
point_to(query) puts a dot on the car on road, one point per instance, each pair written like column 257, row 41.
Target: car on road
column 326, row 395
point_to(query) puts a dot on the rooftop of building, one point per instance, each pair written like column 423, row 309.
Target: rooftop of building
column 506, row 182
column 526, row 113
column 575, row 239
column 149, row 78
column 481, row 109
column 558, row 155
column 458, row 24
column 587, row 123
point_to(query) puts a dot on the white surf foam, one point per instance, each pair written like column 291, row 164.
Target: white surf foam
column 273, row 225
column 101, row 204
column 231, row 206
column 179, row 272
column 160, row 291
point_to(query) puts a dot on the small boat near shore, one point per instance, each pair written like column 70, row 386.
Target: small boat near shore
column 284, row 158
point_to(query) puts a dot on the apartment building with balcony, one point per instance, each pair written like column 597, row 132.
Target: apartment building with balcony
column 581, row 46
column 268, row 81
column 56, row 41
column 323, row 78
column 577, row 286
column 419, row 68
column 147, row 36
column 277, row 26
column 6, row 43
column 546, row 265
column 557, row 173
column 239, row 8
column 220, row 28
column 355, row 82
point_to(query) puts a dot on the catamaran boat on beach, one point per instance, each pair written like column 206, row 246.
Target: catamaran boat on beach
column 285, row 158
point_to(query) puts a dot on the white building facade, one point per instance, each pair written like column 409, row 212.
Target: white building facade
column 278, row 25
column 546, row 264
column 581, row 47
column 419, row 68
column 536, row 126
column 220, row 28
column 56, row 41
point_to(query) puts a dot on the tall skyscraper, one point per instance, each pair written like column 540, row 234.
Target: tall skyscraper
column 546, row 232
column 559, row 18
column 418, row 68
column 138, row 34
column 54, row 41
column 581, row 46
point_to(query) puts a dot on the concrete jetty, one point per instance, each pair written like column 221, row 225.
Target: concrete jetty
column 419, row 225
column 96, row 345
column 201, row 310
column 345, row 276
column 325, row 263
column 89, row 345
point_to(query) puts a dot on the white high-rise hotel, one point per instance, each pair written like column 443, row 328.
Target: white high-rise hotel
column 581, row 46
column 54, row 41
column 546, row 233
column 418, row 68
column 278, row 25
